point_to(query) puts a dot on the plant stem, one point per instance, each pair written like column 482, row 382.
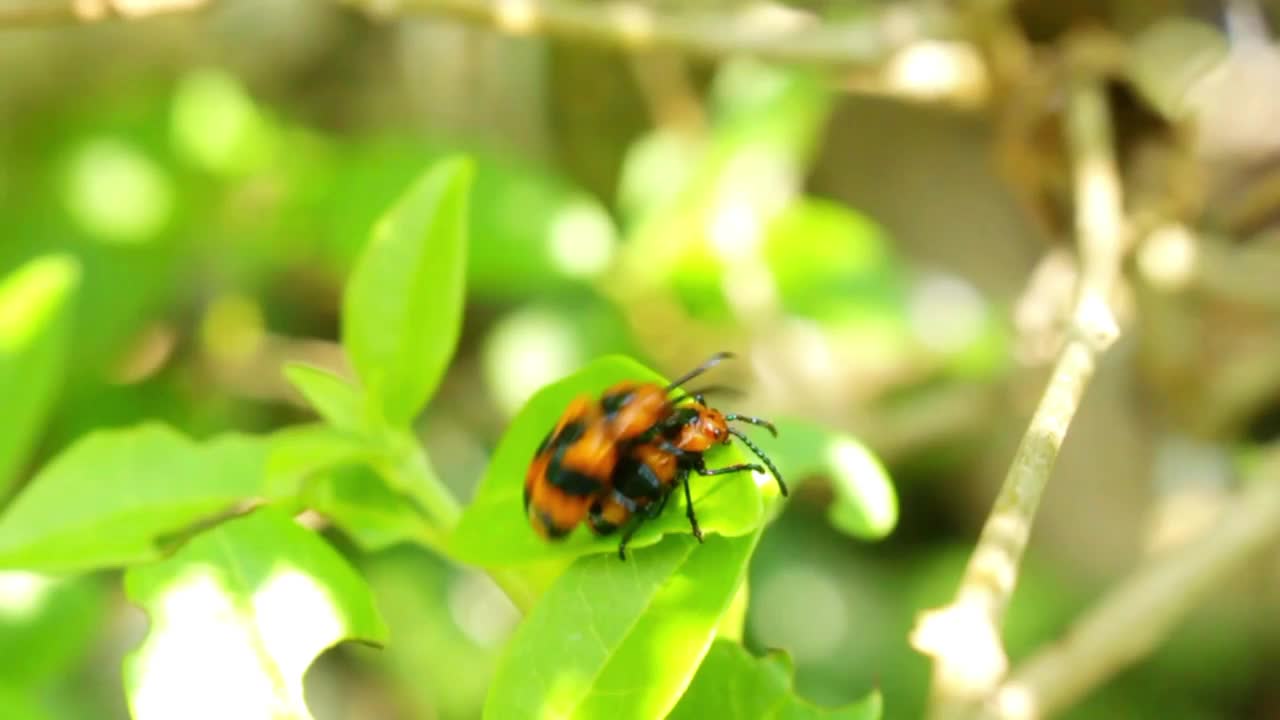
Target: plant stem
column 783, row 35
column 1138, row 614
column 964, row 637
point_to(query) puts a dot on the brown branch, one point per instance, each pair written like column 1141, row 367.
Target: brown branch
column 1132, row 620
column 773, row 31
column 964, row 637
column 36, row 13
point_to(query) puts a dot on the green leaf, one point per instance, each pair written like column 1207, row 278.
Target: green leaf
column 35, row 324
column 299, row 452
column 734, row 685
column 626, row 636
column 237, row 616
column 494, row 529
column 402, row 311
column 866, row 505
column 373, row 515
column 21, row 704
column 110, row 498
column 330, row 396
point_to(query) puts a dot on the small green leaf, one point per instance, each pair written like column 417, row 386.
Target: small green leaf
column 373, row 515
column 402, row 311
column 330, row 396
column 113, row 495
column 866, row 506
column 299, row 452
column 237, row 616
column 494, row 529
column 733, row 685
column 35, row 323
column 626, row 636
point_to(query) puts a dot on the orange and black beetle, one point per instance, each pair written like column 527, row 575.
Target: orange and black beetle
column 616, row 461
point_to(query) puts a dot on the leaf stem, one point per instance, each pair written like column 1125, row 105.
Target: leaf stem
column 964, row 637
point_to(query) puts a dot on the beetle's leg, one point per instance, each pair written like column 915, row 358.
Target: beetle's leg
column 650, row 511
column 688, row 504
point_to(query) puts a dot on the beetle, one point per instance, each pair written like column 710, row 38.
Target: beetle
column 621, row 456
column 647, row 472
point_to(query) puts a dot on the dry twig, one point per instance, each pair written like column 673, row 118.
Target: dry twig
column 1130, row 621
column 964, row 637
column 35, row 13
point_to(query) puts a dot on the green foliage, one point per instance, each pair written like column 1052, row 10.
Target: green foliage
column 865, row 505
column 113, row 498
column 237, row 615
column 35, row 321
column 402, row 311
column 613, row 639
column 46, row 624
column 493, row 529
column 333, row 398
column 733, row 685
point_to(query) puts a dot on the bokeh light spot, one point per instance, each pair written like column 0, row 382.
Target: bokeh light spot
column 22, row 593
column 116, row 192
column 582, row 240
column 216, row 126
column 526, row 350
column 947, row 314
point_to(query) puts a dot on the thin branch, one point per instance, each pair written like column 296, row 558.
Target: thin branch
column 964, row 637
column 37, row 13
column 770, row 31
column 1133, row 619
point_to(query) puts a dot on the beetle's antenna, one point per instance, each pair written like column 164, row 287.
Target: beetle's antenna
column 782, row 486
column 759, row 422
column 705, row 366
column 708, row 390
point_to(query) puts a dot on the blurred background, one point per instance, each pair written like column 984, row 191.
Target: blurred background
column 870, row 204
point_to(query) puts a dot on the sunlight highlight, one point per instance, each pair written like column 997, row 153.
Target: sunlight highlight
column 863, row 481
column 30, row 296
column 200, row 661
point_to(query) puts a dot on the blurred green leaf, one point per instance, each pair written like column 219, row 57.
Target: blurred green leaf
column 21, row 704
column 332, row 397
column 237, row 616
column 47, row 625
column 766, row 123
column 299, row 452
column 829, row 261
column 734, row 620
column 402, row 310
column 35, row 324
column 494, row 529
column 866, row 505
column 626, row 637
column 733, row 685
column 108, row 499
column 458, row 623
column 357, row 500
